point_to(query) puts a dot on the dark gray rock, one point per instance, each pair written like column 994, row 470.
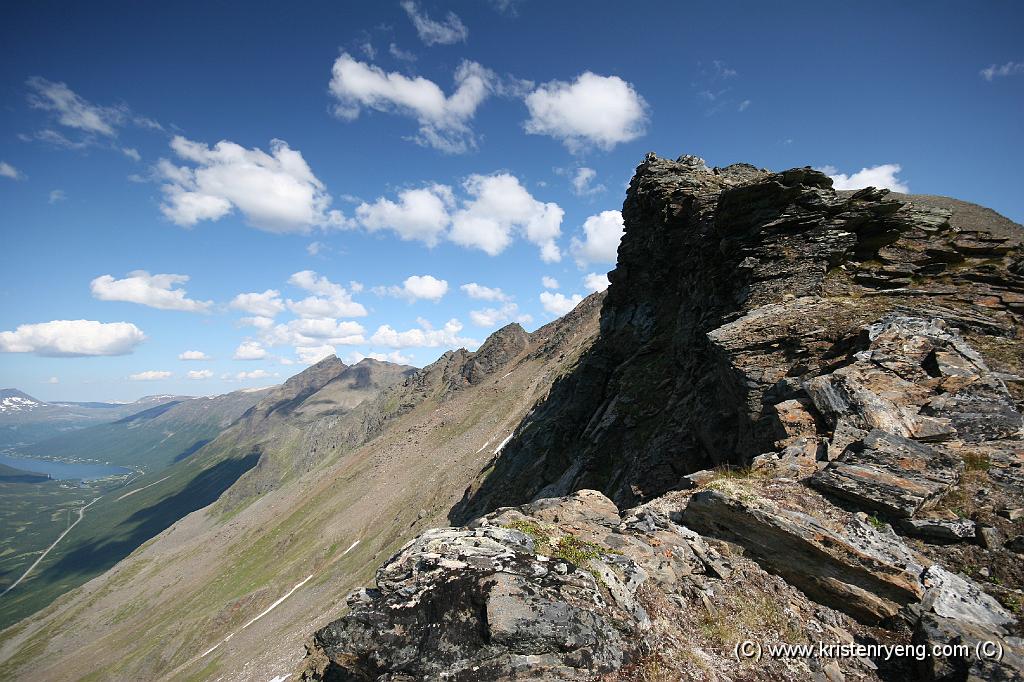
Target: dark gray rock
column 738, row 291
column 1004, row 662
column 890, row 474
column 938, row 530
column 472, row 604
column 1016, row 544
column 495, row 602
column 990, row 538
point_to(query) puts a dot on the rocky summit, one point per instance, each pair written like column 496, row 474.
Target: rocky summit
column 800, row 424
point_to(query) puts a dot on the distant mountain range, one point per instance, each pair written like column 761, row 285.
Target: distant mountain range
column 25, row 419
column 154, row 437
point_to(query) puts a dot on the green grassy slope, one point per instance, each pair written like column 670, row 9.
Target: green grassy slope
column 123, row 519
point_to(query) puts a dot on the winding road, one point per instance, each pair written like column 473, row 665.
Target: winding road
column 81, row 513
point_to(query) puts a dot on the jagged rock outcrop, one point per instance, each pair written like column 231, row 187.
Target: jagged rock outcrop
column 808, row 397
column 735, row 289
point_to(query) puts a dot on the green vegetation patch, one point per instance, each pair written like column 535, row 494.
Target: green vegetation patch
column 567, row 547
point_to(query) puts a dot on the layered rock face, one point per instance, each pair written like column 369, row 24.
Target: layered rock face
column 737, row 287
column 803, row 416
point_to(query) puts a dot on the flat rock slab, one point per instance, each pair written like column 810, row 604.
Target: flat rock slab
column 953, row 596
column 890, row 474
column 858, row 570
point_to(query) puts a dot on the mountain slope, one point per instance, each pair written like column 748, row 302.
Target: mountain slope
column 363, row 481
column 210, row 444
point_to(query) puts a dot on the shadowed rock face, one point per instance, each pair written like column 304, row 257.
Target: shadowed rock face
column 735, row 288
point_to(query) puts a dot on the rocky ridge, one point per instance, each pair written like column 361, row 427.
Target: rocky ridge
column 803, row 415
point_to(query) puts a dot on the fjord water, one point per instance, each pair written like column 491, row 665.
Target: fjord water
column 82, row 471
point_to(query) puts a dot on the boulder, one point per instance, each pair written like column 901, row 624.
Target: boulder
column 794, row 421
column 547, row 590
column 472, row 603
column 890, row 474
column 953, row 596
column 918, row 380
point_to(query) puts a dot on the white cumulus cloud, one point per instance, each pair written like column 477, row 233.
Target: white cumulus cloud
column 394, row 356
column 329, row 299
column 601, row 236
column 310, row 331
column 150, row 375
column 498, row 208
column 443, row 119
column 258, row 321
column 426, row 287
column 549, row 282
column 310, row 355
column 275, row 192
column 420, row 214
column 423, row 337
column 265, row 304
column 9, row 171
column 254, row 374
column 200, row 374
column 492, row 317
column 194, row 355
column 433, row 32
column 882, row 176
column 494, row 210
column 559, row 304
column 70, row 338
column 250, row 350
column 482, row 293
column 155, row 291
column 582, row 182
column 593, row 110
column 596, row 281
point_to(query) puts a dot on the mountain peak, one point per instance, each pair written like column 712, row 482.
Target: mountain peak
column 13, row 400
column 499, row 350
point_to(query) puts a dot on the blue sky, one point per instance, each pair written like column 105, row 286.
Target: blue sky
column 408, row 177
